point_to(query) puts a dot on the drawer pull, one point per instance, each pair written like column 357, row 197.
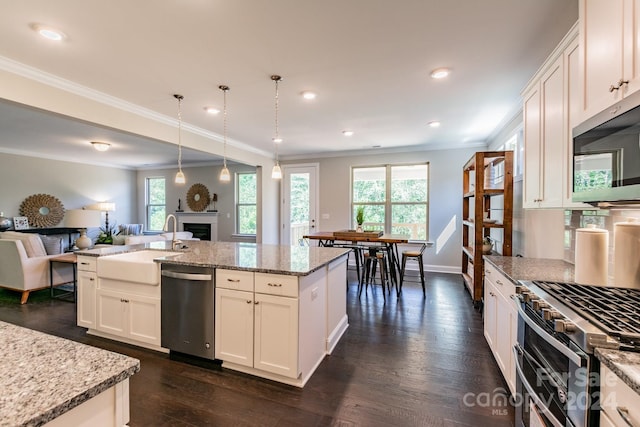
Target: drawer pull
column 275, row 285
column 91, row 279
column 249, row 301
column 624, row 414
column 233, row 280
column 499, row 282
column 256, row 303
column 84, row 263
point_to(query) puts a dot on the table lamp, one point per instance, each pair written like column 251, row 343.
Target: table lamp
column 82, row 219
column 106, row 207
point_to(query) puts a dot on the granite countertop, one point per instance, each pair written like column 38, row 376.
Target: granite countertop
column 517, row 268
column 279, row 259
column 625, row 364
column 43, row 376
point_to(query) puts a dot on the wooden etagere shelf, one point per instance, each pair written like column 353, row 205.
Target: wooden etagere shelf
column 486, row 176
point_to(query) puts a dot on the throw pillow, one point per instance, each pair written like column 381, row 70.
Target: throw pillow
column 32, row 243
column 118, row 239
column 52, row 245
column 130, row 229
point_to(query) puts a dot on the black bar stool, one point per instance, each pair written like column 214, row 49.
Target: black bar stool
column 417, row 254
column 374, row 259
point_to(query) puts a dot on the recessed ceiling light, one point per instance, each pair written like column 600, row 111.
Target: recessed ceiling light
column 347, row 132
column 49, row 32
column 434, row 124
column 212, row 110
column 440, row 73
column 309, row 95
column 101, row 146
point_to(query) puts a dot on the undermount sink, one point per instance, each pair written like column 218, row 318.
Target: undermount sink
column 137, row 267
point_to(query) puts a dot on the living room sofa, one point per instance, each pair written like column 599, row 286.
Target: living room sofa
column 24, row 264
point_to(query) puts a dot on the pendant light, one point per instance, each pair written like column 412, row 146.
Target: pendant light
column 276, row 172
column 180, row 179
column 225, row 176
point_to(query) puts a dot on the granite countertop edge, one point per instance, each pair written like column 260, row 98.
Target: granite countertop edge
column 81, row 398
column 625, row 364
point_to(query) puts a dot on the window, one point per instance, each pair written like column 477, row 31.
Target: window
column 395, row 198
column 246, row 203
column 156, row 203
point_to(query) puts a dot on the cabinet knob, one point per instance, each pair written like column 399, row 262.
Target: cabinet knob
column 249, row 301
column 92, row 279
column 256, row 303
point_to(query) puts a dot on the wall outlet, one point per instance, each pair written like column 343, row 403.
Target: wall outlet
column 325, row 216
column 314, row 294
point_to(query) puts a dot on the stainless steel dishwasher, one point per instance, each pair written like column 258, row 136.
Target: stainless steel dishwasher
column 187, row 317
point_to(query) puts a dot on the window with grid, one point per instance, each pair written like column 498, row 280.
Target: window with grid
column 156, row 203
column 246, row 211
column 395, row 198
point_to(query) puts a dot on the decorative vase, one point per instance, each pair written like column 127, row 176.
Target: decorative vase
column 5, row 223
column 486, row 248
column 359, row 229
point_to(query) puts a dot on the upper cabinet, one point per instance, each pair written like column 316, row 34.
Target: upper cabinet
column 549, row 113
column 609, row 52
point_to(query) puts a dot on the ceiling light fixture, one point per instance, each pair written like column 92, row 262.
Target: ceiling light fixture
column 347, row 132
column 225, row 176
column 180, row 178
column 309, row 95
column 276, row 172
column 434, row 124
column 49, row 32
column 100, row 146
column 440, row 73
column 212, row 110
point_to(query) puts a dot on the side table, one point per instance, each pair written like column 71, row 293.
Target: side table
column 69, row 258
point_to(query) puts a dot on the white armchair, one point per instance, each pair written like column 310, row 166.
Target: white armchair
column 22, row 273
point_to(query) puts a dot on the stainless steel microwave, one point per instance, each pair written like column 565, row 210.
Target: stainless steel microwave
column 606, row 156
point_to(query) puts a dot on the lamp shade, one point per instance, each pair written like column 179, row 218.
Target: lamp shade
column 106, row 206
column 81, row 218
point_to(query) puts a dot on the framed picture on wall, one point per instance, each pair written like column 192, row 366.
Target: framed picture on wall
column 20, row 222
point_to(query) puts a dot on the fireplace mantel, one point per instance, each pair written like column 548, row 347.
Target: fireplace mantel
column 199, row 218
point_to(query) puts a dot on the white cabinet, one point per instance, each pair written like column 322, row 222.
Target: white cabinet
column 610, row 54
column 129, row 316
column 257, row 329
column 501, row 321
column 87, row 283
column 620, row 404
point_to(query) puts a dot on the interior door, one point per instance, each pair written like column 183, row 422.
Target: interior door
column 299, row 202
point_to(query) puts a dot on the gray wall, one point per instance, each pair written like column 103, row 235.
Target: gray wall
column 75, row 185
column 445, row 197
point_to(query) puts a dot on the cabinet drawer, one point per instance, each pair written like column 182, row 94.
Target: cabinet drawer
column 234, row 279
column 277, row 284
column 617, row 399
column 503, row 285
column 87, row 263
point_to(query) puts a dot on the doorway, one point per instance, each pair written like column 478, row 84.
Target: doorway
column 299, row 202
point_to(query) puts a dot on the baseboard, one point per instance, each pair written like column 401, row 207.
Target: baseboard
column 427, row 268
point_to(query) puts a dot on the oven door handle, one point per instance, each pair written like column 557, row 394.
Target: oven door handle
column 572, row 355
column 532, row 393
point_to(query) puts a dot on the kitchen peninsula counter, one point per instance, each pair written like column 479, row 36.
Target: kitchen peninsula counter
column 44, row 379
column 625, row 364
column 517, row 268
column 256, row 257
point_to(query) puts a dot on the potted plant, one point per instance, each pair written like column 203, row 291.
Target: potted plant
column 487, row 245
column 360, row 217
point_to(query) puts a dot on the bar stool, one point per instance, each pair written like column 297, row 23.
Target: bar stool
column 417, row 254
column 372, row 260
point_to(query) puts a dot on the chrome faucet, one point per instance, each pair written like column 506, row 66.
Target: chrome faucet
column 175, row 243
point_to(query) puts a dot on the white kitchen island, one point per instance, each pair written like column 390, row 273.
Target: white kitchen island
column 279, row 310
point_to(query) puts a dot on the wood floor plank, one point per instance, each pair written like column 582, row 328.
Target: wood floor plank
column 413, row 361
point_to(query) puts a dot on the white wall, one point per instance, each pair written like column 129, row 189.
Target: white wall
column 75, row 185
column 445, row 196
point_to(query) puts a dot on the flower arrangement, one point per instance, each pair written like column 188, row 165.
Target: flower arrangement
column 106, row 235
column 360, row 215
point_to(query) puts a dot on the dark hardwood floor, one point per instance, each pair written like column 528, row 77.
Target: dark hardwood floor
column 411, row 361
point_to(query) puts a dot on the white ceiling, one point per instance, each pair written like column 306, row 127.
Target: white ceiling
column 368, row 60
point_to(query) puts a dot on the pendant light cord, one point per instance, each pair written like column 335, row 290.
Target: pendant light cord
column 179, row 98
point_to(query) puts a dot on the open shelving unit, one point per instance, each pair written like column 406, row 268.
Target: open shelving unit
column 487, row 176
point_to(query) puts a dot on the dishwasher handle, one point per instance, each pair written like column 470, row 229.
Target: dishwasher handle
column 187, row 276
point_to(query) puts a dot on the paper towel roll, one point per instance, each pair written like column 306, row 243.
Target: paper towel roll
column 626, row 254
column 592, row 255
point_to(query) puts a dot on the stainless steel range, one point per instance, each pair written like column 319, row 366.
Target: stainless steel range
column 559, row 325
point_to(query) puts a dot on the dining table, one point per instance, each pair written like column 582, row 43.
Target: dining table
column 357, row 241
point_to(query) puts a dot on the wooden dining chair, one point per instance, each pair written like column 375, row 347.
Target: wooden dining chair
column 417, row 255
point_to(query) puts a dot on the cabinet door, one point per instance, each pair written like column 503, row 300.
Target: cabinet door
column 532, row 141
column 276, row 335
column 506, row 335
column 86, row 315
column 110, row 312
column 554, row 136
column 490, row 314
column 143, row 316
column 234, row 326
column 602, row 38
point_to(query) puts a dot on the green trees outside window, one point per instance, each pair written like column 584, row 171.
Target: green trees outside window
column 156, row 203
column 246, row 212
